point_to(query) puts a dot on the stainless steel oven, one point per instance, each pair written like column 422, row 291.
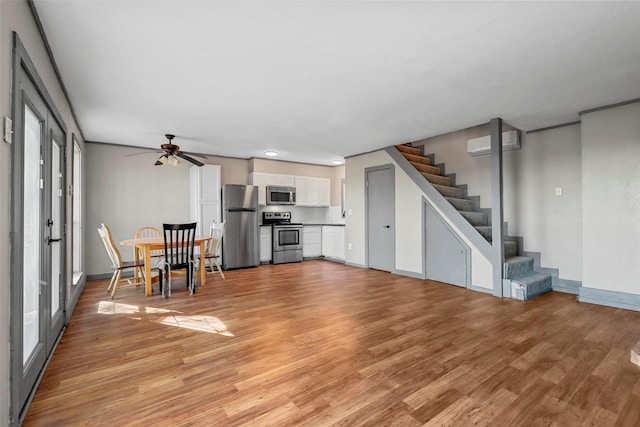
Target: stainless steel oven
column 286, row 237
column 281, row 195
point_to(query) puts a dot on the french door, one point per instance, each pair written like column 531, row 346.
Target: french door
column 38, row 255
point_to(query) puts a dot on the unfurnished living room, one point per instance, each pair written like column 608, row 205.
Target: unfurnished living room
column 316, row 213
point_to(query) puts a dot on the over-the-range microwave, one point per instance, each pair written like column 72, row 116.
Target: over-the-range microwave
column 277, row 195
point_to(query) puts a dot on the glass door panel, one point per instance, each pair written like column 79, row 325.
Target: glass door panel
column 56, row 221
column 32, row 233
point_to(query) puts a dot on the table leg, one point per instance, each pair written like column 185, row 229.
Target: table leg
column 203, row 271
column 148, row 290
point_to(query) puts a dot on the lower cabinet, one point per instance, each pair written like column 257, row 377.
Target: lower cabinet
column 265, row 243
column 311, row 241
column 333, row 242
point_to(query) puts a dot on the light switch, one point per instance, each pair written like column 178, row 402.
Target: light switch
column 8, row 130
column 558, row 191
column 350, row 212
column 349, row 246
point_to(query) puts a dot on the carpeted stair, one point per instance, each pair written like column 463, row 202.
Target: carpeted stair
column 526, row 283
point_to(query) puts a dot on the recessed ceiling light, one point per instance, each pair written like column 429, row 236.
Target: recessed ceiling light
column 271, row 153
column 337, row 162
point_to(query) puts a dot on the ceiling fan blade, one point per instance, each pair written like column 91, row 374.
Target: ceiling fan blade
column 202, row 156
column 143, row 152
column 189, row 159
column 159, row 162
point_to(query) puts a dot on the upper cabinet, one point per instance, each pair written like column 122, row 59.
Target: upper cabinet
column 310, row 191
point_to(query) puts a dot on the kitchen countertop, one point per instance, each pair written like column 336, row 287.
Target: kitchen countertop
column 322, row 224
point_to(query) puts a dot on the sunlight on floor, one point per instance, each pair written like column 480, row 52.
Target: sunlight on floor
column 201, row 323
column 110, row 307
column 198, row 323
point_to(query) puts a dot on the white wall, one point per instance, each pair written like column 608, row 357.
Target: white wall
column 549, row 224
column 408, row 221
column 127, row 193
column 611, row 199
column 16, row 16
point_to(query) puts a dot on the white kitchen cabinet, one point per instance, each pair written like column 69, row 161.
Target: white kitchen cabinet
column 281, row 180
column 301, row 190
column 265, row 243
column 311, row 241
column 324, row 192
column 312, row 191
column 204, row 196
column 260, row 179
column 333, row 242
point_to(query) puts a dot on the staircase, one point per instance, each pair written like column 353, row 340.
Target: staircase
column 526, row 283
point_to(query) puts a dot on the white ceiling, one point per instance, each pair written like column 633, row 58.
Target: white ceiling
column 324, row 80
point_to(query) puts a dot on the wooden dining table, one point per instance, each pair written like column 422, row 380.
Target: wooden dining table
column 148, row 244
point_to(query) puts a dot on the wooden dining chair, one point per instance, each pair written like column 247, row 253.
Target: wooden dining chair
column 148, row 231
column 212, row 249
column 179, row 242
column 117, row 281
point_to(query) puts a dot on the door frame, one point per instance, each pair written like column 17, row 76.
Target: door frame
column 22, row 66
column 366, row 212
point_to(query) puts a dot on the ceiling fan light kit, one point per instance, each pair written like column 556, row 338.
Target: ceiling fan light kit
column 171, row 154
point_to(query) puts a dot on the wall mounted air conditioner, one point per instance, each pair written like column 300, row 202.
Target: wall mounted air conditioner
column 482, row 145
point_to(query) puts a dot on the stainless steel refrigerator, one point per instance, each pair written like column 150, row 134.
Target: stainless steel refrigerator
column 241, row 241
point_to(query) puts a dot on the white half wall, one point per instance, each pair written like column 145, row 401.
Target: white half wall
column 408, row 210
column 611, row 199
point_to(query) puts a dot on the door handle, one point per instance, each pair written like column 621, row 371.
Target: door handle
column 386, row 226
column 50, row 240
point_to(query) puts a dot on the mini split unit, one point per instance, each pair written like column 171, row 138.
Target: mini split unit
column 482, row 145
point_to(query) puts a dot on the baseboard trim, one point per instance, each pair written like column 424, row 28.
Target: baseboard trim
column 565, row 285
column 610, row 298
column 481, row 289
column 351, row 264
column 408, row 274
column 104, row 276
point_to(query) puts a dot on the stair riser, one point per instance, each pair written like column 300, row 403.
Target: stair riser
column 417, row 159
column 449, row 191
column 510, row 249
column 485, row 231
column 426, row 168
column 437, row 179
column 476, row 218
column 518, row 268
column 461, row 204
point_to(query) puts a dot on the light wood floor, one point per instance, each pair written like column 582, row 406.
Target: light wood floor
column 319, row 343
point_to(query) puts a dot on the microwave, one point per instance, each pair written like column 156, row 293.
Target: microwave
column 281, row 195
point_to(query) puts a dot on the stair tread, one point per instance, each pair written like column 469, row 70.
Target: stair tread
column 517, row 258
column 426, row 168
column 417, row 158
column 530, row 277
column 409, row 149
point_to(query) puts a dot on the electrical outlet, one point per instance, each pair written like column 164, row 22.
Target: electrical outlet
column 558, row 191
column 349, row 246
column 350, row 212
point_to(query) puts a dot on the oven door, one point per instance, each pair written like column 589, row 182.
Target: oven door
column 287, row 237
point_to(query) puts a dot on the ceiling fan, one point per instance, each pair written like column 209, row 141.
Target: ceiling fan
column 171, row 152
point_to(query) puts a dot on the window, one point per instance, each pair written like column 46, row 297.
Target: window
column 77, row 212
